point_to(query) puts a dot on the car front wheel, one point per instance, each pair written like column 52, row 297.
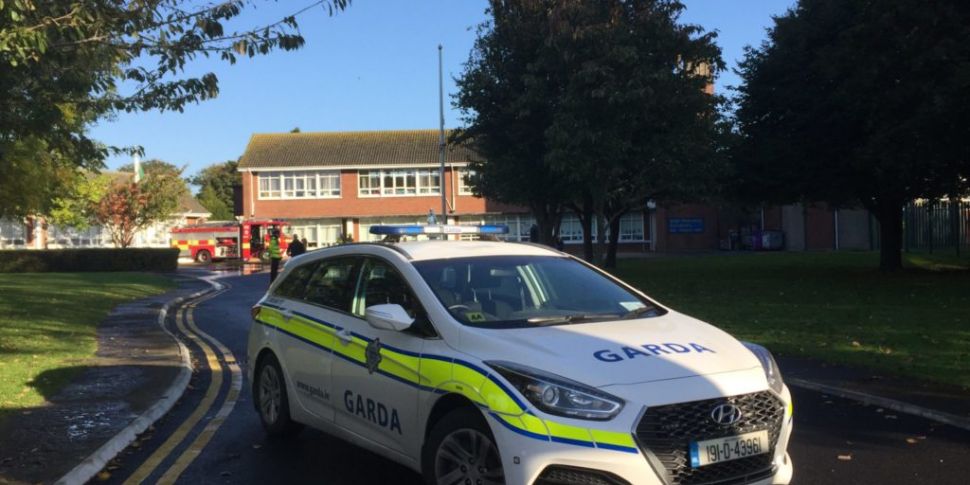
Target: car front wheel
column 460, row 450
column 271, row 399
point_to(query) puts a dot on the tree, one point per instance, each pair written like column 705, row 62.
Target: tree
column 155, row 166
column 65, row 64
column 506, row 106
column 116, row 202
column 596, row 104
column 635, row 120
column 859, row 103
column 211, row 201
column 219, row 179
column 128, row 207
column 77, row 207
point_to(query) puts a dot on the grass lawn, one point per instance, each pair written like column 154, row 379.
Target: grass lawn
column 49, row 321
column 833, row 306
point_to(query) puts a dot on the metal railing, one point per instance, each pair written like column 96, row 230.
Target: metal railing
column 937, row 225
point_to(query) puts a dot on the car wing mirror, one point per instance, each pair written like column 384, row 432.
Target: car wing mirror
column 389, row 316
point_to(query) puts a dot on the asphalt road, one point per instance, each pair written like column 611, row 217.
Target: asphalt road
column 835, row 440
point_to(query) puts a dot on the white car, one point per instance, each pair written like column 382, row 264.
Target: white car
column 478, row 362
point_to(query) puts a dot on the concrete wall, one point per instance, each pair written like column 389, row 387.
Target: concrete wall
column 854, row 229
column 793, row 224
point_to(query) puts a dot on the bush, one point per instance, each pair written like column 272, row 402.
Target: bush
column 85, row 260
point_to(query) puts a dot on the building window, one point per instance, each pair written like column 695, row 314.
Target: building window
column 465, row 177
column 369, row 182
column 519, row 226
column 317, row 184
column 319, row 233
column 429, row 182
column 631, row 227
column 399, row 182
column 571, row 229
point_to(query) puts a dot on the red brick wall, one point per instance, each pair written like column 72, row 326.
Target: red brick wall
column 703, row 241
column 350, row 205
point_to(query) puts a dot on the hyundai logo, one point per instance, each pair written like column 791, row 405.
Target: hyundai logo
column 726, row 414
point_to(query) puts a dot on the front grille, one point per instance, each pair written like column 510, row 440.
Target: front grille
column 665, row 433
column 572, row 475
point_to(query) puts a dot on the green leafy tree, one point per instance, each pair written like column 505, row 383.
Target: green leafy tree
column 598, row 105
column 635, row 119
column 219, row 179
column 506, row 105
column 211, row 201
column 77, row 208
column 859, row 103
column 65, row 64
column 116, row 202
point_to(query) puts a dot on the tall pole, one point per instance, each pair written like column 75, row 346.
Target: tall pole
column 441, row 139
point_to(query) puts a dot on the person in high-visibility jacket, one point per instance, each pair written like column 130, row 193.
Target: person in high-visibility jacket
column 275, row 255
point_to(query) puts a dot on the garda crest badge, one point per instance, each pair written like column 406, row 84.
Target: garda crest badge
column 373, row 355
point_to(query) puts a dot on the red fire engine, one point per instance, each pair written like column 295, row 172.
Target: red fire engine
column 228, row 240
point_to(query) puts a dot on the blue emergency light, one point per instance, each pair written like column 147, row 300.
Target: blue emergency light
column 413, row 230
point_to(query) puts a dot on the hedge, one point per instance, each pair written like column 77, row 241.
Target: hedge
column 84, row 260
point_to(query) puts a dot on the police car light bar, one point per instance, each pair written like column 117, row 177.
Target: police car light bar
column 412, row 230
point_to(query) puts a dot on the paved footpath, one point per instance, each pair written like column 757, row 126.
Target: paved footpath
column 134, row 367
column 214, row 436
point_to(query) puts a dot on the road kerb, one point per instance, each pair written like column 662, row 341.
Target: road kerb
column 883, row 402
column 94, row 463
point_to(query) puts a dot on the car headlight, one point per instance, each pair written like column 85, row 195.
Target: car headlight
column 768, row 363
column 557, row 395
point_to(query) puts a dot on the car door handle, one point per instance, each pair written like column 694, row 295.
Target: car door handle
column 345, row 336
column 287, row 315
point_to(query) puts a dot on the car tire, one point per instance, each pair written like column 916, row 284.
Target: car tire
column 203, row 256
column 272, row 402
column 455, row 452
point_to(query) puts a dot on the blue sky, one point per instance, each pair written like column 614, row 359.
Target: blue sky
column 371, row 67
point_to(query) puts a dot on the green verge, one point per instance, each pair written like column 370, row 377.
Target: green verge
column 832, row 306
column 49, row 321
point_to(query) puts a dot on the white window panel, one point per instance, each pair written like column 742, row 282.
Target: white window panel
column 320, row 184
column 464, row 179
column 398, row 182
column 631, row 227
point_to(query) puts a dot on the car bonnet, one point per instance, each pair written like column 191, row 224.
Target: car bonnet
column 606, row 353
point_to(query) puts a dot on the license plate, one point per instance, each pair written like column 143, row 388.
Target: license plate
column 728, row 448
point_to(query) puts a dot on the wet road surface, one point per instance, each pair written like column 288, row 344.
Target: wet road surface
column 835, row 440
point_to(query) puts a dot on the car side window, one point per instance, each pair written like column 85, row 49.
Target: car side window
column 295, row 285
column 381, row 284
column 332, row 284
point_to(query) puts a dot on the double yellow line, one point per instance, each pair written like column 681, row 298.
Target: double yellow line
column 185, row 322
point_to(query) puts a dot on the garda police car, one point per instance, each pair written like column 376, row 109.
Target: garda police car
column 478, row 362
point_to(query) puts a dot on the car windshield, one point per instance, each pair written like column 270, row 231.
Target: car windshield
column 525, row 291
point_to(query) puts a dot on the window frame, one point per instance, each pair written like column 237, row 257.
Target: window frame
column 398, row 182
column 358, row 260
column 427, row 330
column 287, row 183
column 464, row 188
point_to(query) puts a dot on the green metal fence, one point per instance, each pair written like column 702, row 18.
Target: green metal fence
column 937, row 225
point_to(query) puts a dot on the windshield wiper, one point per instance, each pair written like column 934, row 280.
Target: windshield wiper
column 580, row 317
column 638, row 312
